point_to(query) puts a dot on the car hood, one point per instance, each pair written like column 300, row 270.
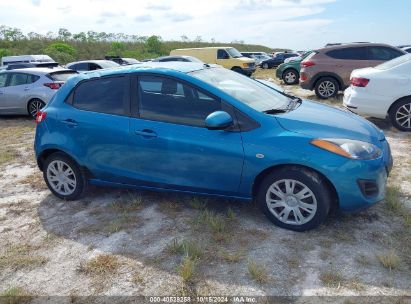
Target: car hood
column 245, row 59
column 321, row 121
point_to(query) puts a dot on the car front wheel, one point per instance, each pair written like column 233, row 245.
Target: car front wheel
column 294, row 198
column 326, row 87
column 265, row 66
column 400, row 115
column 64, row 177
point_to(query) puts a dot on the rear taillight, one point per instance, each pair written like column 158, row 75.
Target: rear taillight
column 359, row 82
column 41, row 116
column 52, row 85
column 303, row 77
column 307, row 63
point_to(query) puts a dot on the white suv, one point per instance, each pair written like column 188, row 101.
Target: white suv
column 382, row 91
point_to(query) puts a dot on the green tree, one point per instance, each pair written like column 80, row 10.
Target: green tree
column 116, row 49
column 61, row 52
column 154, row 44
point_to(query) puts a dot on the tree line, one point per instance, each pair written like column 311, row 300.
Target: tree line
column 64, row 46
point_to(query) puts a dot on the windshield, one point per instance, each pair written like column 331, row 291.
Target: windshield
column 248, row 91
column 234, row 53
column 394, row 62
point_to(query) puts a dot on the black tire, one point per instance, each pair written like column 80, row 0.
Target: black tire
column 308, row 178
column 399, row 117
column 238, row 70
column 287, row 80
column 80, row 176
column 322, row 84
column 34, row 105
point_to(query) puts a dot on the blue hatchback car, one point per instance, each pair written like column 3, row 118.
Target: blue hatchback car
column 200, row 129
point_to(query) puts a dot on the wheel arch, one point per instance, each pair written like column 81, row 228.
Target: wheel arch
column 339, row 80
column 260, row 177
column 30, row 100
column 398, row 100
column 289, row 68
column 47, row 152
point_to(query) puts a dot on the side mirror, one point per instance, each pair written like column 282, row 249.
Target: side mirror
column 218, row 120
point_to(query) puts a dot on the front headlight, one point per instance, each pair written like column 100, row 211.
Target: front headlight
column 349, row 148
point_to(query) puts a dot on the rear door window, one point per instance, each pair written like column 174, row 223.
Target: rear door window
column 106, row 95
column 17, row 79
column 94, row 66
column 351, row 53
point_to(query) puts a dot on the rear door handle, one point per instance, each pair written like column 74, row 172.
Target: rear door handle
column 146, row 133
column 70, row 122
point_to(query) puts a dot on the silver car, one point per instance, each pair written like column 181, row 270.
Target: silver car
column 91, row 65
column 26, row 91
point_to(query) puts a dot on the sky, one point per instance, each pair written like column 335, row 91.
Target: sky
column 294, row 24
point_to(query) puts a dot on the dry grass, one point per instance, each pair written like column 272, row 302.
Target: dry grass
column 187, row 269
column 392, row 200
column 389, row 260
column 128, row 203
column 215, row 222
column 186, row 248
column 7, row 155
column 21, row 256
column 230, row 257
column 15, row 295
column 35, row 180
column 332, row 279
column 102, row 264
column 198, row 203
column 257, row 272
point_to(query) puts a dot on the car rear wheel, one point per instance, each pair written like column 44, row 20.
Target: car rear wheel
column 290, row 76
column 34, row 106
column 326, row 87
column 64, row 177
column 294, row 198
column 265, row 66
column 400, row 115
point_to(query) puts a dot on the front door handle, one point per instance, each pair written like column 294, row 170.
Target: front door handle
column 70, row 122
column 146, row 133
column 26, row 89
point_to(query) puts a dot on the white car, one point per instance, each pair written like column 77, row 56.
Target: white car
column 381, row 91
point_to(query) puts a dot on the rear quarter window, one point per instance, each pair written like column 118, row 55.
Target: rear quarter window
column 106, row 95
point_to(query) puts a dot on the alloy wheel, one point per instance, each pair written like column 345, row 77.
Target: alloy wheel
column 290, row 77
column 35, row 106
column 326, row 88
column 265, row 66
column 403, row 116
column 61, row 177
column 291, row 202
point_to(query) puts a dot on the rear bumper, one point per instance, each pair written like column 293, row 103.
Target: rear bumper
column 361, row 102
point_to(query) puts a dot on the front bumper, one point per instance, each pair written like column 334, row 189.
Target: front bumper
column 352, row 181
column 249, row 71
column 279, row 73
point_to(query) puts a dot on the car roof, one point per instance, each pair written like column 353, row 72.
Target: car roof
column 42, row 71
column 88, row 61
column 358, row 44
column 183, row 67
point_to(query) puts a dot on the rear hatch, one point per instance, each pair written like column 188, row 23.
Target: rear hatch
column 59, row 78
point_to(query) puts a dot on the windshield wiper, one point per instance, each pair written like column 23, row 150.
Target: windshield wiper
column 275, row 111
